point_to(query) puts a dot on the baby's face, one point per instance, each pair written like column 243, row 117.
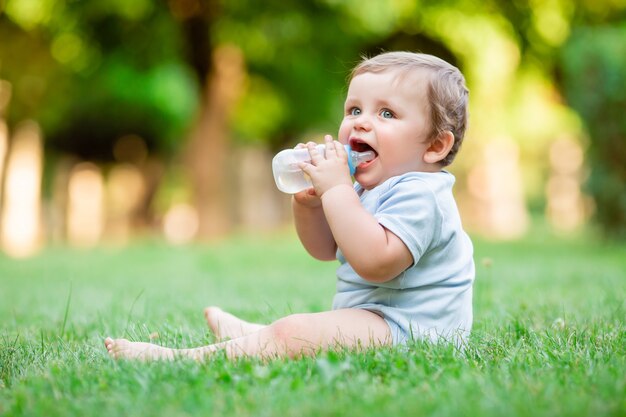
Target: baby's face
column 389, row 113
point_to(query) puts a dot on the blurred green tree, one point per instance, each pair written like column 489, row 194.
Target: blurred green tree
column 594, row 81
column 91, row 72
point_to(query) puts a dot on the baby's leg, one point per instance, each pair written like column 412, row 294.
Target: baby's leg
column 307, row 334
column 123, row 349
column 226, row 326
column 292, row 336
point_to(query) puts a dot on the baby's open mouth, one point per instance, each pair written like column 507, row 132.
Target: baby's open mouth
column 360, row 146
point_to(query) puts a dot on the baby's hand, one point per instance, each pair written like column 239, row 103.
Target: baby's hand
column 307, row 197
column 329, row 170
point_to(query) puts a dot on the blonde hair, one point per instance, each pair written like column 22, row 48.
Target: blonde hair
column 447, row 92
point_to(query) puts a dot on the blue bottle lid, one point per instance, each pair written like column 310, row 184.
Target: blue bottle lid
column 350, row 161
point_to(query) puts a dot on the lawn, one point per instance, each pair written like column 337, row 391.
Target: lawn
column 549, row 336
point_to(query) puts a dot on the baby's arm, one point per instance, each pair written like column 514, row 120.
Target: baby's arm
column 312, row 227
column 375, row 253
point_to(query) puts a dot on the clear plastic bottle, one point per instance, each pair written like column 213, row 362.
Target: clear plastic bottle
column 291, row 179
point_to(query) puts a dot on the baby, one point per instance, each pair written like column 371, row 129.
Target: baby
column 406, row 266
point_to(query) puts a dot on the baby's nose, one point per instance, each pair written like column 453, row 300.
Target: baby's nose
column 362, row 122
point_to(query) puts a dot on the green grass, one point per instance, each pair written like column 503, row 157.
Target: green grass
column 549, row 336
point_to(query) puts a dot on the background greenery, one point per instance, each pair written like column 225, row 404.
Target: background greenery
column 549, row 336
column 91, row 72
column 594, row 68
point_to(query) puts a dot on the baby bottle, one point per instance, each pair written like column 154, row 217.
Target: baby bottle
column 291, row 179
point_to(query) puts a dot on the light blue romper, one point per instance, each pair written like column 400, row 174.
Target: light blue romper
column 432, row 299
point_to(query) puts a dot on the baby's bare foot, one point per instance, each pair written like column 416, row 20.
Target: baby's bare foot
column 124, row 349
column 226, row 326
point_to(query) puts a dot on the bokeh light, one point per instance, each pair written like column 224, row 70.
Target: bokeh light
column 20, row 223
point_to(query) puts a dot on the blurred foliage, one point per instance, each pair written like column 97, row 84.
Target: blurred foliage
column 91, row 72
column 298, row 54
column 594, row 80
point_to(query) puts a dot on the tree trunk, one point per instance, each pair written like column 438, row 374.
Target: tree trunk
column 220, row 73
column 208, row 146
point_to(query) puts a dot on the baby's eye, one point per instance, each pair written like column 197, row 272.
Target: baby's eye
column 386, row 114
column 354, row 111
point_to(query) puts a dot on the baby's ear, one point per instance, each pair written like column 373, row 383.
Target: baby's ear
column 439, row 147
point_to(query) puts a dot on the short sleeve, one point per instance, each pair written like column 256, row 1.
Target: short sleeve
column 408, row 208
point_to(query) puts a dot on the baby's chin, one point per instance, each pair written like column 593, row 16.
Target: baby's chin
column 365, row 182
